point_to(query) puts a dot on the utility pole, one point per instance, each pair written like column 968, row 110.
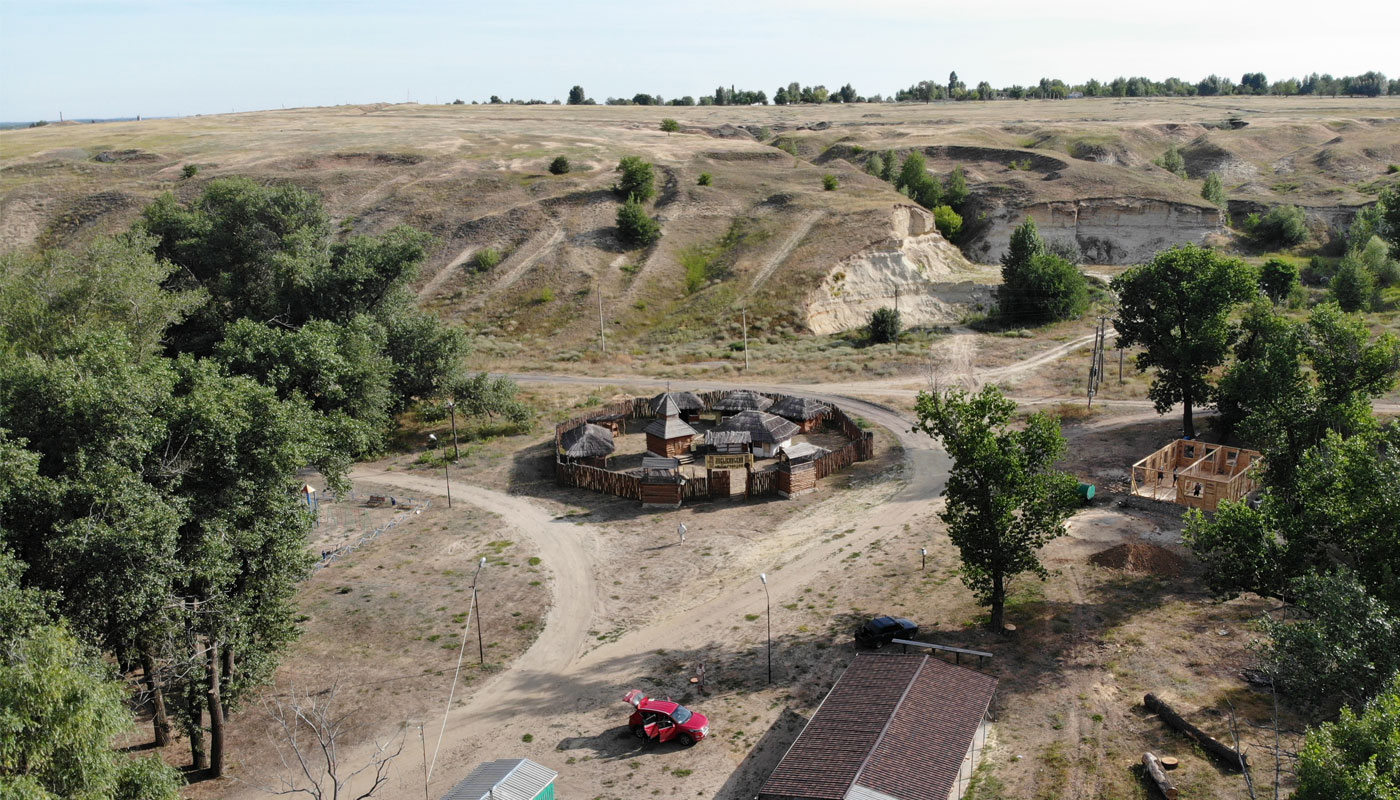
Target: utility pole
column 746, row 339
column 452, row 409
column 896, row 318
column 602, row 336
column 1120, row 364
column 1096, row 361
column 448, row 475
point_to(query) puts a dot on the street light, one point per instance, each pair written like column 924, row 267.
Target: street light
column 480, row 648
column 452, row 409
column 923, row 558
column 768, row 602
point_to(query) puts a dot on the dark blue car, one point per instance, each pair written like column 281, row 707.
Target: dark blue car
column 881, row 631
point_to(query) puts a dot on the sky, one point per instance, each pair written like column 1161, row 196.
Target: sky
column 122, row 58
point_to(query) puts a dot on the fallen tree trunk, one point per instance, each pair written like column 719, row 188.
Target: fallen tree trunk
column 1230, row 756
column 1158, row 776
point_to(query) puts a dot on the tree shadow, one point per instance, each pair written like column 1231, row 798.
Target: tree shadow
column 745, row 781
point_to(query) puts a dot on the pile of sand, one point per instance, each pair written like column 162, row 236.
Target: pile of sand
column 1140, row 557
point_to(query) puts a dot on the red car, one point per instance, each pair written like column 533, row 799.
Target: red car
column 664, row 720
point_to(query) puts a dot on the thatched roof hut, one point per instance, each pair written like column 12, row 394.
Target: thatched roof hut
column 741, row 400
column 588, row 443
column 685, row 401
column 802, row 410
column 767, row 432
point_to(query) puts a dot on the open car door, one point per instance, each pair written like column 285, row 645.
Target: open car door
column 666, row 728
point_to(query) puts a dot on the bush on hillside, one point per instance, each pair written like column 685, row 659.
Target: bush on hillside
column 829, row 183
column 634, row 226
column 948, row 221
column 559, row 166
column 705, row 179
column 1282, row 226
column 637, row 181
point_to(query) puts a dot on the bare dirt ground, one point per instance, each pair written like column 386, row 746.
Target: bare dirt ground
column 634, row 608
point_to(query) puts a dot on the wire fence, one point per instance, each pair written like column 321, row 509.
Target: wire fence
column 408, row 507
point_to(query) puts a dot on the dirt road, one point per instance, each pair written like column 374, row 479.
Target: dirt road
column 528, row 695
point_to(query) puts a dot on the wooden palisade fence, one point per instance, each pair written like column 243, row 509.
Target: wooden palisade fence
column 761, row 483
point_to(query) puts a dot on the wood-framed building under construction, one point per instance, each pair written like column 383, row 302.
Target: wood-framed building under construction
column 1197, row 474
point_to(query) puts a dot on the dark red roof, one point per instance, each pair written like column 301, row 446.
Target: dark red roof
column 897, row 724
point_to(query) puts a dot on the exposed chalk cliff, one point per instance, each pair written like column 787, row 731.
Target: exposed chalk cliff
column 916, row 263
column 1108, row 230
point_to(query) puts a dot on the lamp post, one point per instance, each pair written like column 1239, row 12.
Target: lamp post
column 768, row 603
column 448, row 476
column 452, row 409
column 480, row 648
column 923, row 558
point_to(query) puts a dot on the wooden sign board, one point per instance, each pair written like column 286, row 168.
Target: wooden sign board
column 728, row 461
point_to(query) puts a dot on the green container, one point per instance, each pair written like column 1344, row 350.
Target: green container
column 1086, row 491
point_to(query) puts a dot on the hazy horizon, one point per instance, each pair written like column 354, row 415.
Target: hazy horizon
column 124, row 58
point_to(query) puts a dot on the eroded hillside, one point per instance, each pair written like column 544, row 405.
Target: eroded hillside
column 763, row 237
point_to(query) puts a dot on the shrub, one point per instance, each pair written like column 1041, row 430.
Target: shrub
column 486, row 259
column 875, row 165
column 1213, row 190
column 634, row 226
column 705, row 179
column 189, row 170
column 669, row 125
column 829, row 183
column 1172, row 162
column 884, row 325
column 559, row 166
column 1352, row 285
column 1046, row 289
column 1283, row 226
column 546, row 295
column 638, row 180
column 948, row 221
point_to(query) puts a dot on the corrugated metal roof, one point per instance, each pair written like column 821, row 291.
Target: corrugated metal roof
column 894, row 726
column 503, row 779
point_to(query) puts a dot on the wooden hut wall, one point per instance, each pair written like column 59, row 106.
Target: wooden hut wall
column 668, row 448
column 794, row 479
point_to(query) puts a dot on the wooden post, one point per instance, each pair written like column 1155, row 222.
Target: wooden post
column 1158, row 776
column 1230, row 756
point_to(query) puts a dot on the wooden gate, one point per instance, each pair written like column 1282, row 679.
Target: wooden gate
column 719, row 483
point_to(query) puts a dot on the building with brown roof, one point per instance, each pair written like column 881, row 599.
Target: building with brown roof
column 804, row 412
column 894, row 727
column 767, row 433
column 668, row 435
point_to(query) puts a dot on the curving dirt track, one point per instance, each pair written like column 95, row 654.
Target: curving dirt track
column 794, row 555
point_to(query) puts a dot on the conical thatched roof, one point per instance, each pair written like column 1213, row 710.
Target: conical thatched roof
column 742, row 400
column 670, row 428
column 685, row 401
column 798, row 408
column 586, row 441
column 762, row 427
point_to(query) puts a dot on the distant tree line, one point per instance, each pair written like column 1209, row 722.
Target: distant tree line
column 1367, row 84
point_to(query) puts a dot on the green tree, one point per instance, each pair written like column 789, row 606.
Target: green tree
column 1375, row 256
column 1025, row 243
column 189, row 170
column 875, row 165
column 112, row 284
column 1340, row 644
column 1177, row 308
column 1358, row 756
column 890, row 167
column 635, row 226
column 913, row 172
column 1005, row 499
column 1283, row 226
column 560, row 165
column 884, row 325
column 955, row 193
column 60, row 711
column 705, row 179
column 1277, row 279
column 638, row 179
column 670, row 125
column 1353, row 284
column 1172, row 162
column 577, row 96
column 948, row 221
column 1048, row 289
column 829, row 183
column 1213, row 190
